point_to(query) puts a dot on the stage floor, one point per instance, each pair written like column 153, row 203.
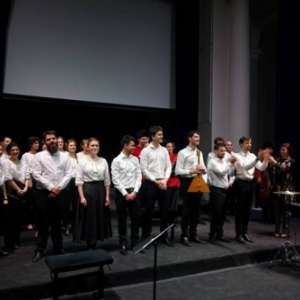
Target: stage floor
column 22, row 279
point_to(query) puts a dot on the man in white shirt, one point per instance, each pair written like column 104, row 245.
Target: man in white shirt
column 52, row 171
column 156, row 167
column 189, row 164
column 244, row 186
column 219, row 170
column 127, row 176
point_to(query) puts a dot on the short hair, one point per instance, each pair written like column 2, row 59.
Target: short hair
column 126, row 139
column 31, row 140
column 192, row 132
column 12, row 144
column 218, row 146
column 218, row 140
column 289, row 147
column 142, row 133
column 154, row 129
column 244, row 138
column 48, row 132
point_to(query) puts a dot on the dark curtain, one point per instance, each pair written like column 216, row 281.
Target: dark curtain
column 287, row 113
column 187, row 64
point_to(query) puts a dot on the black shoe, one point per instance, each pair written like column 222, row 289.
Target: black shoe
column 240, row 239
column 60, row 251
column 247, row 238
column 3, row 253
column 123, row 250
column 167, row 242
column 185, row 241
column 37, row 256
column 221, row 238
column 196, row 239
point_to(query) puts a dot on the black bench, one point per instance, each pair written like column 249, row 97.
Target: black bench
column 78, row 261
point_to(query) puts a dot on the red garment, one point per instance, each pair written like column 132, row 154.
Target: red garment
column 174, row 180
column 263, row 184
column 136, row 152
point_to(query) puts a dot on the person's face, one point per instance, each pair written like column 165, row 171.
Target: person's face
column 1, row 150
column 284, row 152
column 85, row 146
column 93, row 147
column 129, row 147
column 72, row 147
column 170, row 148
column 14, row 152
column 143, row 141
column 60, row 144
column 35, row 146
column 246, row 145
column 220, row 153
column 158, row 137
column 228, row 146
column 51, row 143
column 195, row 139
column 6, row 142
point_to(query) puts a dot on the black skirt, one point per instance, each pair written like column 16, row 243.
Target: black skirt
column 93, row 221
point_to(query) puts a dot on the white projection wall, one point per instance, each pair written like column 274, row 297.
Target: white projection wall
column 107, row 51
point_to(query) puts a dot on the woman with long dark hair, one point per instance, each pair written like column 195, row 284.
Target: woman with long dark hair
column 284, row 168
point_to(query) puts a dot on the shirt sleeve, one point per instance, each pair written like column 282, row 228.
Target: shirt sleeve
column 36, row 171
column 179, row 170
column 115, row 174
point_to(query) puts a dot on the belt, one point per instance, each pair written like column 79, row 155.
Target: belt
column 159, row 179
column 129, row 190
column 246, row 180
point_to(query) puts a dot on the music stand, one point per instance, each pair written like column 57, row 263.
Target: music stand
column 287, row 251
column 152, row 241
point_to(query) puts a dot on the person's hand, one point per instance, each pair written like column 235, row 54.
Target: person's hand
column 107, row 201
column 232, row 159
column 56, row 190
column 83, row 201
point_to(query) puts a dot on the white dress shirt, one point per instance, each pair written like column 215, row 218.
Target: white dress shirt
column 1, row 174
column 246, row 164
column 18, row 172
column 74, row 163
column 219, row 171
column 126, row 173
column 51, row 170
column 187, row 159
column 27, row 157
column 89, row 170
column 155, row 162
column 81, row 156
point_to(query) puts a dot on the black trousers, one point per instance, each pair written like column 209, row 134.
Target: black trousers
column 244, row 190
column 49, row 215
column 133, row 207
column 190, row 209
column 151, row 193
column 218, row 204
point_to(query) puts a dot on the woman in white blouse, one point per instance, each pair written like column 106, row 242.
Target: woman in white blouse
column 71, row 146
column 3, row 203
column 93, row 182
column 33, row 143
column 18, row 182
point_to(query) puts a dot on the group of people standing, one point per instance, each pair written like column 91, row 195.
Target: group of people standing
column 52, row 181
